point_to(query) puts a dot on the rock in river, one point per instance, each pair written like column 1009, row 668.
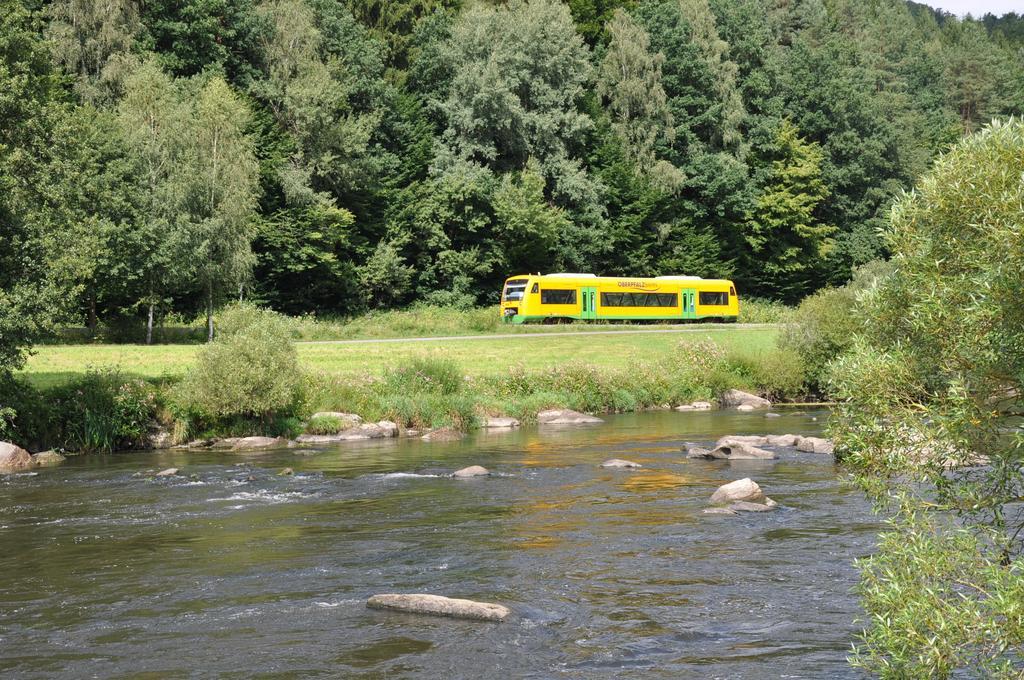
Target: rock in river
column 732, row 450
column 436, row 605
column 814, row 445
column 620, row 463
column 357, row 433
column 500, row 422
column 747, row 506
column 735, row 398
column 472, row 471
column 744, row 489
column 169, row 472
column 564, row 416
column 253, row 443
column 14, row 458
column 444, row 434
column 47, row 458
column 782, row 440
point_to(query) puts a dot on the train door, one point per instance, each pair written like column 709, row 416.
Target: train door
column 589, row 308
column 689, row 301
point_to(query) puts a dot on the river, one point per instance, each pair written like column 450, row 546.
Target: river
column 234, row 571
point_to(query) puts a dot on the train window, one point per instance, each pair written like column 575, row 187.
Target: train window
column 715, row 299
column 638, row 299
column 556, row 296
column 514, row 290
column 732, row 291
column 535, row 288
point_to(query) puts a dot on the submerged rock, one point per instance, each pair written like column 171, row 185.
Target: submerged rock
column 814, row 445
column 500, row 423
column 745, row 407
column 436, row 605
column 169, row 472
column 252, row 443
column 748, row 506
column 444, row 434
column 286, row 472
column 566, row 416
column 47, row 458
column 13, row 457
column 620, row 463
column 472, row 471
column 736, row 398
column 718, row 511
column 744, row 489
column 772, row 415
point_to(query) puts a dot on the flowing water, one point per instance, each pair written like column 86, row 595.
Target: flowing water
column 234, row 571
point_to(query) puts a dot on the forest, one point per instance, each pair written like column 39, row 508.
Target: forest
column 316, row 156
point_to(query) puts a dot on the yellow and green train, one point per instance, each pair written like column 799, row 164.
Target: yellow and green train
column 551, row 298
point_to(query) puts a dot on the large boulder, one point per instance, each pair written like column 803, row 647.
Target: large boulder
column 47, row 458
column 751, row 439
column 620, row 463
column 814, row 445
column 357, row 433
column 782, row 440
column 388, row 428
column 735, row 398
column 252, row 443
column 744, row 489
column 564, row 416
column 14, row 458
column 159, row 439
column 169, row 472
column 500, row 423
column 472, row 471
column 732, row 451
column 436, row 605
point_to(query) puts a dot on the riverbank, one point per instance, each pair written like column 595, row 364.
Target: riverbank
column 455, row 386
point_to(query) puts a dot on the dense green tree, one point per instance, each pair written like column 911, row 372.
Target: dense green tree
column 787, row 242
column 630, row 80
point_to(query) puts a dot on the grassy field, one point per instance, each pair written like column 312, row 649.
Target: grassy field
column 53, row 365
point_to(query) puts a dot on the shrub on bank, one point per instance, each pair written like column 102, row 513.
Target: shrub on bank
column 758, row 310
column 101, row 412
column 250, row 371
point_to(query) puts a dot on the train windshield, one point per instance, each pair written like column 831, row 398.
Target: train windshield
column 514, row 290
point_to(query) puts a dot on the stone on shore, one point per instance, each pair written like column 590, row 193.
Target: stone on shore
column 500, row 423
column 814, row 445
column 443, row 434
column 744, row 489
column 472, row 471
column 701, row 405
column 47, row 458
column 169, row 472
column 436, row 605
column 737, row 398
column 620, row 463
column 388, row 428
column 566, row 416
column 159, row 439
column 347, row 419
column 14, row 458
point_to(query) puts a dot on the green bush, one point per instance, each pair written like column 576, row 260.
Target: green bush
column 824, row 324
column 250, row 370
column 757, row 310
column 424, row 374
column 101, row 412
column 325, row 425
